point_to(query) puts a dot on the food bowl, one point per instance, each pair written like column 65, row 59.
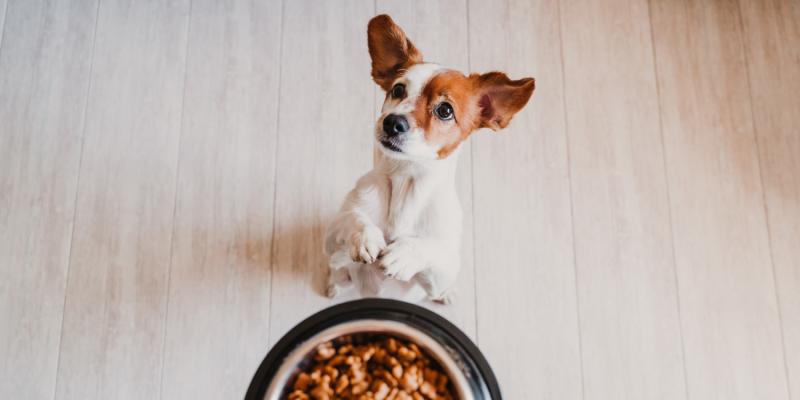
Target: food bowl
column 470, row 376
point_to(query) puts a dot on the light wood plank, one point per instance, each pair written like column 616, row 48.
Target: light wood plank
column 44, row 76
column 3, row 8
column 218, row 307
column 772, row 45
column 439, row 31
column 630, row 326
column 325, row 141
column 527, row 321
column 729, row 311
column 114, row 317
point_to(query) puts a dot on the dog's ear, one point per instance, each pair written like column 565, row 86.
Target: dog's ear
column 499, row 98
column 390, row 50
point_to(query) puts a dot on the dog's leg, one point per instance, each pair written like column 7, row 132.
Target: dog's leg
column 353, row 236
column 338, row 273
column 432, row 263
column 358, row 233
column 371, row 279
column 404, row 258
column 354, row 225
column 439, row 281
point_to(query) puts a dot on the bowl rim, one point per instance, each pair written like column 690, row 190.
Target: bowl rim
column 484, row 383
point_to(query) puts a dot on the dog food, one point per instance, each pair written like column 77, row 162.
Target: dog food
column 371, row 367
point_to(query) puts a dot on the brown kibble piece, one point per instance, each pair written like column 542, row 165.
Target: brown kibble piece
column 321, row 392
column 338, row 360
column 388, row 378
column 391, row 361
column 397, row 371
column 430, row 375
column 381, row 390
column 368, row 353
column 342, row 383
column 330, row 371
column 441, row 383
column 298, row 395
column 403, row 395
column 392, row 394
column 359, row 387
column 324, row 352
column 391, row 345
column 406, row 354
column 428, row 390
column 409, row 380
column 357, row 374
column 302, row 382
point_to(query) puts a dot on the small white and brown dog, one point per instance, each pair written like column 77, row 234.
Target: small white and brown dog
column 403, row 218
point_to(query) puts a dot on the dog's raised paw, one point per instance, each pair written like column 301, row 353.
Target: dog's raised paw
column 367, row 245
column 401, row 260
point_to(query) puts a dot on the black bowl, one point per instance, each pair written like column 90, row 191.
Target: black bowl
column 479, row 379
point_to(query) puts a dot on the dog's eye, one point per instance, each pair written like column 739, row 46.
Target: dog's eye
column 444, row 111
column 399, row 91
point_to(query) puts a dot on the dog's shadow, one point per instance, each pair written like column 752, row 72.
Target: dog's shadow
column 293, row 253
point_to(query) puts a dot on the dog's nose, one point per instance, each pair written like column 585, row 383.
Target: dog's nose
column 395, row 124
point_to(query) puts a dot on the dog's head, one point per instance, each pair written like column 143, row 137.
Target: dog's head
column 429, row 110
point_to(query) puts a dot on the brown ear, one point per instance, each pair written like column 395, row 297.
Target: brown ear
column 390, row 50
column 499, row 98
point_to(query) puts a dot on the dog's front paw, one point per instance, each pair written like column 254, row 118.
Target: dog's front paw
column 367, row 245
column 446, row 298
column 402, row 259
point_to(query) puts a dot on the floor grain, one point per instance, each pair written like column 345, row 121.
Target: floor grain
column 772, row 44
column 223, row 216
column 44, row 77
column 524, row 262
column 113, row 331
column 623, row 244
column 729, row 313
column 3, row 9
column 323, row 115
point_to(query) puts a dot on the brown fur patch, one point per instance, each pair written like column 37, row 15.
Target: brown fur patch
column 390, row 50
column 458, row 90
column 501, row 97
column 488, row 100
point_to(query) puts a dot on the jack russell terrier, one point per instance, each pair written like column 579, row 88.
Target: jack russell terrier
column 403, row 218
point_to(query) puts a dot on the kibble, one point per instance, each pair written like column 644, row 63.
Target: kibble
column 374, row 367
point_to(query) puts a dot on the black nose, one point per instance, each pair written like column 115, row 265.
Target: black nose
column 395, row 124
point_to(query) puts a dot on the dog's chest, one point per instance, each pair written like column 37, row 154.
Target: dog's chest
column 406, row 203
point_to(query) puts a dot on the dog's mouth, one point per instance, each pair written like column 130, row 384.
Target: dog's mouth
column 389, row 144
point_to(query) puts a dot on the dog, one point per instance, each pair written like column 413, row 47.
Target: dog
column 403, row 219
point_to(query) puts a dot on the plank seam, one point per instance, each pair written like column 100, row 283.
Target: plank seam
column 743, row 44
column 472, row 188
column 77, row 190
column 571, row 201
column 175, row 200
column 3, row 24
column 275, row 165
column 669, row 200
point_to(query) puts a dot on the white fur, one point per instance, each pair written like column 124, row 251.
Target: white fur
column 403, row 218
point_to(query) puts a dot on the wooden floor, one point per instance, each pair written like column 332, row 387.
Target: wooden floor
column 167, row 169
